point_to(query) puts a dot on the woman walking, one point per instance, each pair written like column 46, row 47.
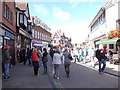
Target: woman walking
column 45, row 60
column 56, row 63
column 35, row 61
column 67, row 61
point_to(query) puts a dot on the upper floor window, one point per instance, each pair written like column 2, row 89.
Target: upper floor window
column 25, row 20
column 118, row 24
column 7, row 13
column 33, row 33
column 98, row 22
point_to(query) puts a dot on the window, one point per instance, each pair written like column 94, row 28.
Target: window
column 21, row 18
column 118, row 24
column 10, row 16
column 33, row 33
column 7, row 13
column 38, row 35
column 25, row 20
column 111, row 46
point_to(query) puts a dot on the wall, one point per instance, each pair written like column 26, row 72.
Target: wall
column 119, row 10
column 12, row 26
column 111, row 17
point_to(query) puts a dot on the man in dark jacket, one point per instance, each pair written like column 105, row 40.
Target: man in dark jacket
column 6, row 62
column 100, row 55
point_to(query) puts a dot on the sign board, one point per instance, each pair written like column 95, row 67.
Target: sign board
column 7, row 34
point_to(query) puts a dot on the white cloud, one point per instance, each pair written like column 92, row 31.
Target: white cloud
column 78, row 31
column 58, row 13
column 74, row 3
column 41, row 9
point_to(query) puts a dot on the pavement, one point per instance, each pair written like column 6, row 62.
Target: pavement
column 111, row 69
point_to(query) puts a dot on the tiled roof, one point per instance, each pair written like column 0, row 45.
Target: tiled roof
column 21, row 5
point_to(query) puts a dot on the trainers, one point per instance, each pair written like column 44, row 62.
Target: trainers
column 57, row 78
column 100, row 72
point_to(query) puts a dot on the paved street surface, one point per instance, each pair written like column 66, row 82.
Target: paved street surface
column 80, row 77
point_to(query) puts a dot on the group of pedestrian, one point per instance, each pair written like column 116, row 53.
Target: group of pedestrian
column 39, row 57
column 36, row 56
column 90, row 54
column 58, row 59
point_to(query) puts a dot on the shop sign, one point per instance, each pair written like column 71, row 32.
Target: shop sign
column 36, row 41
column 7, row 34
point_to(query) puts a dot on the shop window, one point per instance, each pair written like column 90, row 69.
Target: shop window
column 111, row 46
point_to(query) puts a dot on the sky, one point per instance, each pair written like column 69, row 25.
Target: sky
column 70, row 16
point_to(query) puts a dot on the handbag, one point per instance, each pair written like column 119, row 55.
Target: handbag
column 45, row 59
column 70, row 57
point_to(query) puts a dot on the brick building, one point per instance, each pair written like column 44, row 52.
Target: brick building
column 40, row 32
column 8, row 27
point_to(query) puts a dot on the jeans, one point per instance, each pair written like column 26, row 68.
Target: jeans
column 76, row 58
column 6, row 66
column 45, row 64
column 101, row 69
column 40, row 61
column 57, row 69
column 67, row 69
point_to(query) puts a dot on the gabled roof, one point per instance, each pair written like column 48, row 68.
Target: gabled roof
column 21, row 5
column 60, row 32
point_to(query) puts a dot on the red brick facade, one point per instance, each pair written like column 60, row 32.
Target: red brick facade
column 11, row 6
column 42, row 31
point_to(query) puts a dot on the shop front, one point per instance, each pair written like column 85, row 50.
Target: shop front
column 23, row 39
column 1, row 43
column 37, row 43
column 7, row 38
column 110, row 43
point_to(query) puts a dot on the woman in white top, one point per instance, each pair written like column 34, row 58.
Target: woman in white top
column 56, row 63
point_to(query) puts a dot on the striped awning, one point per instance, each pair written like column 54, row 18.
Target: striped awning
column 107, row 41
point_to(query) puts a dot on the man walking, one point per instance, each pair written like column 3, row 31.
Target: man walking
column 100, row 55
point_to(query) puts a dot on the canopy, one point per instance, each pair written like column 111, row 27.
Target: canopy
column 38, row 45
column 50, row 45
column 108, row 41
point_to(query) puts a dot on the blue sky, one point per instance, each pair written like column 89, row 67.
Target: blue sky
column 71, row 16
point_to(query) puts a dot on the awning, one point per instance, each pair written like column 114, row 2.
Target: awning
column 107, row 41
column 50, row 45
column 38, row 45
